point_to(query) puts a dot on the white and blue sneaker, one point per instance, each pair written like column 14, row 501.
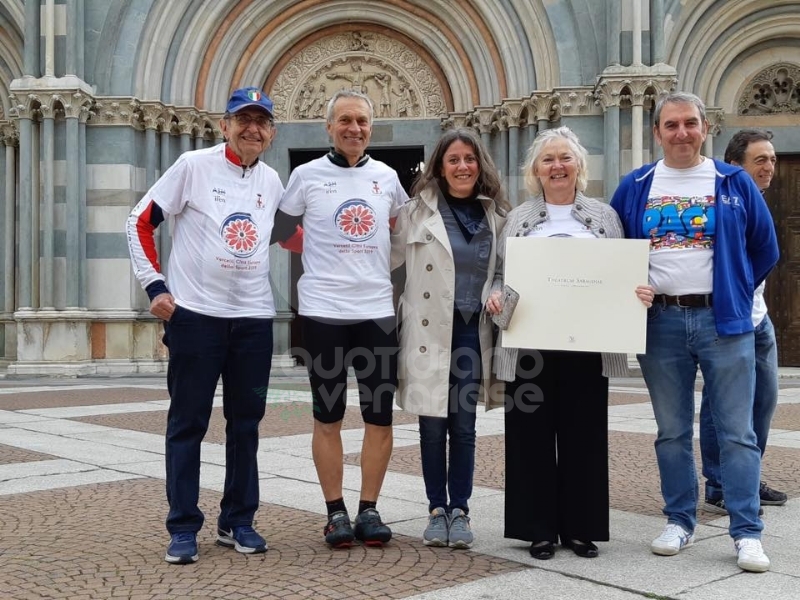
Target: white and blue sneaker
column 672, row 540
column 750, row 555
column 244, row 539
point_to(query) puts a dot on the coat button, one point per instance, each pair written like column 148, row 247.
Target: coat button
column 525, row 224
column 429, row 237
column 601, row 231
column 588, row 220
column 423, row 349
column 424, row 322
column 426, row 295
column 579, row 207
column 429, row 267
column 543, row 214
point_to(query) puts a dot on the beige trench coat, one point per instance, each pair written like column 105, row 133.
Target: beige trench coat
column 425, row 309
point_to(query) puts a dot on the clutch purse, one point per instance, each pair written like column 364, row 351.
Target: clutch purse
column 510, row 299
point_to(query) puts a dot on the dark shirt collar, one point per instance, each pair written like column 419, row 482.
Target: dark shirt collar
column 340, row 161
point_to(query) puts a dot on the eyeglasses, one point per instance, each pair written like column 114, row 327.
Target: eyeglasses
column 245, row 120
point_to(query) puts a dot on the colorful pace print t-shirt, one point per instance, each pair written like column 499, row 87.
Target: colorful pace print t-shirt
column 346, row 243
column 680, row 220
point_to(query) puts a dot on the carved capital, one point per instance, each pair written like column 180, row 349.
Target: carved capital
column 576, row 101
column 24, row 105
column 541, row 107
column 117, row 111
column 152, row 115
column 9, row 133
column 484, row 116
column 512, row 110
column 715, row 117
column 74, row 103
column 187, row 120
column 455, row 119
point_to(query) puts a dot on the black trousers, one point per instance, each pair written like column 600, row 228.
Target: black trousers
column 557, row 448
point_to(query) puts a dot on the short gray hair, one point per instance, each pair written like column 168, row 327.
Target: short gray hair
column 348, row 93
column 678, row 98
column 532, row 183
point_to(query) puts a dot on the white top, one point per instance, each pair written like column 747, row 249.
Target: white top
column 759, row 305
column 680, row 220
column 346, row 245
column 223, row 217
column 560, row 223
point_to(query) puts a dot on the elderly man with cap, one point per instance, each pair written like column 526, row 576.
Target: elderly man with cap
column 217, row 308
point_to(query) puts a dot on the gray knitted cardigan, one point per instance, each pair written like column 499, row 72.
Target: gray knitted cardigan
column 603, row 222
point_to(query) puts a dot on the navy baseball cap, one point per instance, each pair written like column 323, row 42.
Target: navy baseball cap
column 249, row 96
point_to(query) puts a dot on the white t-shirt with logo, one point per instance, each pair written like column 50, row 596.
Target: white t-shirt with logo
column 560, row 223
column 346, row 244
column 680, row 220
column 223, row 217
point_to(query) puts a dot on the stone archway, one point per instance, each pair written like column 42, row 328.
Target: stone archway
column 400, row 83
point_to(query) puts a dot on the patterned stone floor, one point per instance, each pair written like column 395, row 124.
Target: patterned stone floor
column 82, row 503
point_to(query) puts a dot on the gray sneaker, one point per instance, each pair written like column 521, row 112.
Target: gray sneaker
column 436, row 531
column 460, row 532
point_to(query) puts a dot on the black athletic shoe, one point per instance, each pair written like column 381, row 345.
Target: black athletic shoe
column 371, row 530
column 338, row 531
column 770, row 497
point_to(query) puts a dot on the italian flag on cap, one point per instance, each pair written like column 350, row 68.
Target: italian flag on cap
column 254, row 95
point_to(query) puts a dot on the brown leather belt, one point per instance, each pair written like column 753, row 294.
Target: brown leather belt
column 685, row 301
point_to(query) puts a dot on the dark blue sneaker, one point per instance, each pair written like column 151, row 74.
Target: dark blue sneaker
column 245, row 539
column 371, row 530
column 182, row 548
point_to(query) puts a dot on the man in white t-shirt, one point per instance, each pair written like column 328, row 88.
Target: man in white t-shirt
column 712, row 242
column 753, row 151
column 347, row 200
column 217, row 312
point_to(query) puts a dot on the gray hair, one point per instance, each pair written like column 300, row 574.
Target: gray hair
column 348, row 93
column 532, row 183
column 678, row 98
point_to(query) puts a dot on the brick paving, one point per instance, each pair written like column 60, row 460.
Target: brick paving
column 107, row 540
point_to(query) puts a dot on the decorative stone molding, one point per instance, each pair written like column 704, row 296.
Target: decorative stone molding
column 774, row 90
column 117, row 111
column 715, row 117
column 484, row 117
column 513, row 111
column 9, row 133
column 152, row 115
column 541, row 107
column 75, row 104
column 188, row 120
column 399, row 83
column 636, row 84
column 578, row 101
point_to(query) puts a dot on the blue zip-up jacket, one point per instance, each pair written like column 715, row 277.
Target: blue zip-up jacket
column 745, row 246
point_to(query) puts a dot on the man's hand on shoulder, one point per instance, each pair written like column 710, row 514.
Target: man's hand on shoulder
column 162, row 306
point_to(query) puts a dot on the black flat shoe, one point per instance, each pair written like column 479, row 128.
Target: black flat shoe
column 542, row 550
column 581, row 548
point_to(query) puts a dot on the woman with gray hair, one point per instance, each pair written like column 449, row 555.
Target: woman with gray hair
column 556, row 402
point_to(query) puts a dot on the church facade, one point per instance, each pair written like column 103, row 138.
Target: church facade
column 99, row 97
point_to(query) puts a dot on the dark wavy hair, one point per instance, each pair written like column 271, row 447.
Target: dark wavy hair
column 737, row 147
column 488, row 182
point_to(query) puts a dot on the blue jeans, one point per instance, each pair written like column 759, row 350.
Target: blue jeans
column 678, row 341
column 465, row 379
column 764, row 403
column 201, row 349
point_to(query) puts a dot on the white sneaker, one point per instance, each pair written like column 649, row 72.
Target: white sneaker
column 672, row 540
column 751, row 555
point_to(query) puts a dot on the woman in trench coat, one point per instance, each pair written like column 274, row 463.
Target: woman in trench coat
column 447, row 236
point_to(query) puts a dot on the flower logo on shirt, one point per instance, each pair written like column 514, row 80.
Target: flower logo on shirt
column 355, row 220
column 239, row 233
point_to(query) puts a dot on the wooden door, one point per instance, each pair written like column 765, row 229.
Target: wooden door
column 783, row 284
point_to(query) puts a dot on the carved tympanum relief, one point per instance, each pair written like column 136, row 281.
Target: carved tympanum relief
column 397, row 80
column 774, row 90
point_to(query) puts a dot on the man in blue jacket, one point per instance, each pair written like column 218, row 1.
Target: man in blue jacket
column 712, row 241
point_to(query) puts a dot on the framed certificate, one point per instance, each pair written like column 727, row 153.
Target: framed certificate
column 577, row 294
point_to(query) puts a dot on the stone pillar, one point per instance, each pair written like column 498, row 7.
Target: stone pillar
column 545, row 107
column 502, row 154
column 166, row 239
column 613, row 29
column 657, row 52
column 638, row 89
column 9, row 223
column 513, row 110
column 79, row 38
column 50, row 38
column 47, row 215
column 71, row 52
column 83, row 216
column 151, row 116
column 715, row 117
column 25, row 208
column 637, row 32
column 33, row 21
column 186, row 126
column 485, row 115
column 608, row 95
column 76, row 231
